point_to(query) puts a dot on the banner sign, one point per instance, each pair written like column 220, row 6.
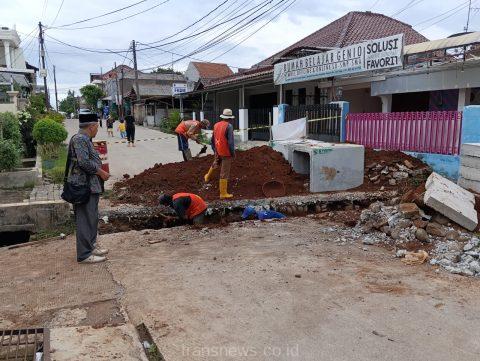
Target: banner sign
column 179, row 88
column 367, row 56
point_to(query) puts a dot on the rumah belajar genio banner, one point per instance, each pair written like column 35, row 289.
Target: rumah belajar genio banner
column 367, row 56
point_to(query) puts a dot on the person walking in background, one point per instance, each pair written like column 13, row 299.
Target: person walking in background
column 189, row 129
column 224, row 148
column 130, row 128
column 121, row 128
column 86, row 168
column 110, row 122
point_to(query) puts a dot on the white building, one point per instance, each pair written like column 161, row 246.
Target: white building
column 17, row 77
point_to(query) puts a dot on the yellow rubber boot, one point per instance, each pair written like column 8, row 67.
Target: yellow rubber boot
column 223, row 189
column 208, row 175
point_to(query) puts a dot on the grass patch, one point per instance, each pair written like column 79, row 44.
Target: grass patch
column 54, row 167
column 66, row 228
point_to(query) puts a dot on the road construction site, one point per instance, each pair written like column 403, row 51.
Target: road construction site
column 383, row 270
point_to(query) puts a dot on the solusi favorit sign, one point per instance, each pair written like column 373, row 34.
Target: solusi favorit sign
column 367, row 56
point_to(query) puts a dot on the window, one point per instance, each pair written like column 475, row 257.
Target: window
column 289, row 97
column 302, row 96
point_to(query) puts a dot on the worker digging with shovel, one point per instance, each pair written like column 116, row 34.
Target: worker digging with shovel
column 190, row 129
column 224, row 147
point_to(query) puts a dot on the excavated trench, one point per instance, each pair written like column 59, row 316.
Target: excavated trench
column 126, row 218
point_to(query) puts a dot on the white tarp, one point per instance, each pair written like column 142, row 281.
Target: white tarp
column 294, row 129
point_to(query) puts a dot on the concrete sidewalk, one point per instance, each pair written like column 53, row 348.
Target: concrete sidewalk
column 152, row 146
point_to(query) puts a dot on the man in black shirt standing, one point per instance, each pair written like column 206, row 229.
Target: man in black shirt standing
column 130, row 128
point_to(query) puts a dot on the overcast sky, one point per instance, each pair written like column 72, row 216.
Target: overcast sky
column 300, row 19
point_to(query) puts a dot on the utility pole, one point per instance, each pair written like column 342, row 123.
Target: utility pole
column 468, row 15
column 121, row 91
column 134, row 52
column 120, row 113
column 55, row 82
column 42, row 55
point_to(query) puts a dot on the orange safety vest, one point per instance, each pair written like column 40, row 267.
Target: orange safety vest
column 184, row 125
column 221, row 141
column 197, row 204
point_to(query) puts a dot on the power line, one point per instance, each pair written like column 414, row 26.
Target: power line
column 210, row 28
column 102, row 15
column 116, row 21
column 213, row 42
column 408, row 6
column 374, row 4
column 444, row 18
column 58, row 12
column 99, row 51
column 256, row 31
column 195, row 22
column 219, row 18
column 439, row 15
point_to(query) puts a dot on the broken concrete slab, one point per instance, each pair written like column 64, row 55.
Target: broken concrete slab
column 470, row 173
column 451, row 200
column 469, row 184
column 89, row 343
column 470, row 149
column 469, row 161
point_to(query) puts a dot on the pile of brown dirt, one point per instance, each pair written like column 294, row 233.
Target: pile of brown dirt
column 250, row 169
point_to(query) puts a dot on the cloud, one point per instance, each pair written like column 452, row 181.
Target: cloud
column 303, row 18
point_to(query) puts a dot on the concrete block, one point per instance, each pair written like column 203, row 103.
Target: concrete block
column 469, row 161
column 451, row 200
column 332, row 167
column 469, row 184
column 470, row 173
column 437, row 181
column 470, row 149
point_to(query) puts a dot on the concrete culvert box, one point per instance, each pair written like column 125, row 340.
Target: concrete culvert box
column 331, row 166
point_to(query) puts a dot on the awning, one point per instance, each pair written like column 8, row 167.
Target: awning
column 440, row 44
column 20, row 79
column 107, row 98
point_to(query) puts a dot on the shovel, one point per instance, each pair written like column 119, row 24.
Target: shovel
column 202, row 151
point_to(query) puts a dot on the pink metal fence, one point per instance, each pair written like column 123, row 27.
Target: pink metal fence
column 425, row 132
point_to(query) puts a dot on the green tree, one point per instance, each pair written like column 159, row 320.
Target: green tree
column 37, row 106
column 10, row 128
column 91, row 94
column 69, row 104
column 165, row 71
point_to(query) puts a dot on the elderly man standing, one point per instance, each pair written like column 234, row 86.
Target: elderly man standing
column 85, row 168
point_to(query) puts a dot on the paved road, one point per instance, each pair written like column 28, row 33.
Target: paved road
column 152, row 146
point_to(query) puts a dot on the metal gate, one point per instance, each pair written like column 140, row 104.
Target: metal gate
column 214, row 117
column 259, row 118
column 323, row 121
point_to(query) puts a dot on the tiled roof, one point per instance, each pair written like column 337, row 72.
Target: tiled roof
column 152, row 90
column 212, row 70
column 354, row 27
column 249, row 74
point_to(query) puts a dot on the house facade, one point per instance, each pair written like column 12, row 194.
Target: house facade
column 17, row 77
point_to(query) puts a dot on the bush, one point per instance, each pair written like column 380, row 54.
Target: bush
column 49, row 131
column 169, row 124
column 56, row 174
column 49, row 135
column 57, row 117
column 10, row 154
column 26, row 128
column 10, row 128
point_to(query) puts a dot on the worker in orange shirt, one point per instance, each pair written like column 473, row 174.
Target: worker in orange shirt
column 187, row 206
column 190, row 129
column 224, row 147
